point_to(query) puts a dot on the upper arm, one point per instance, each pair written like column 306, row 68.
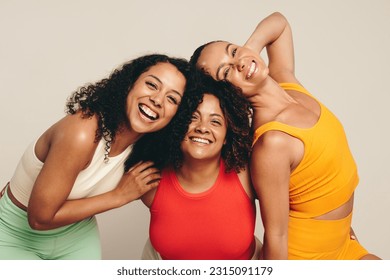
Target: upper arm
column 71, row 146
column 270, row 170
column 148, row 197
column 274, row 33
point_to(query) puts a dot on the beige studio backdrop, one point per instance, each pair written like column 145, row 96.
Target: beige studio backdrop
column 49, row 48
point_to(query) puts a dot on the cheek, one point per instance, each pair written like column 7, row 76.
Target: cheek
column 170, row 111
column 237, row 81
column 129, row 104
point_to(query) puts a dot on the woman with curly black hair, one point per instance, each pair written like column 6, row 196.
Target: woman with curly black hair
column 75, row 169
column 204, row 206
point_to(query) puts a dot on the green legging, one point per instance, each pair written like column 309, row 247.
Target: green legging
column 19, row 242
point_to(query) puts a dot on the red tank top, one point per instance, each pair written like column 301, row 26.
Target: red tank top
column 216, row 224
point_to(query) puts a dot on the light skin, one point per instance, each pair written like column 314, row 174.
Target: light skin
column 202, row 147
column 276, row 154
column 67, row 148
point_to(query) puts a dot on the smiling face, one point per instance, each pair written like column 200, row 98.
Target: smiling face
column 239, row 65
column 207, row 131
column 154, row 98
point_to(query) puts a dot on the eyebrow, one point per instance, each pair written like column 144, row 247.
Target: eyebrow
column 212, row 114
column 223, row 64
column 155, row 77
column 217, row 115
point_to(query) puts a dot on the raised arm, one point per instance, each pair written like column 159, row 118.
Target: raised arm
column 274, row 34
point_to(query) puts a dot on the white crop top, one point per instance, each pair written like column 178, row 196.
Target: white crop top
column 99, row 177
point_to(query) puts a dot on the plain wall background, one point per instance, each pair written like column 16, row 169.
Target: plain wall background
column 50, row 48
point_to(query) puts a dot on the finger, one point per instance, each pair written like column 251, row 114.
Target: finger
column 141, row 166
column 152, row 178
column 134, row 166
column 149, row 172
column 146, row 165
column 152, row 185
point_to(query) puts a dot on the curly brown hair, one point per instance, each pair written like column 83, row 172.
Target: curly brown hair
column 164, row 146
column 107, row 98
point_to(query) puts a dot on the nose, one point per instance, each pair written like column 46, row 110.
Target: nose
column 156, row 99
column 202, row 128
column 240, row 65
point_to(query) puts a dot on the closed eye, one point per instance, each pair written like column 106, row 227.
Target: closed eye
column 226, row 72
column 194, row 117
column 217, row 122
column 151, row 85
column 234, row 51
column 173, row 100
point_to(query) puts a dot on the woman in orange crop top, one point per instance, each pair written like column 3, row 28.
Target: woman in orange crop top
column 204, row 205
column 301, row 166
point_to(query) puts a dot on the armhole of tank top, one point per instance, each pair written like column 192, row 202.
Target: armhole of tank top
column 166, row 176
column 33, row 153
column 241, row 187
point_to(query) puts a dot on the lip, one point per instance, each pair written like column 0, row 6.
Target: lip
column 252, row 69
column 147, row 113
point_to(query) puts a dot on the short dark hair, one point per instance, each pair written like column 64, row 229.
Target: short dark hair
column 195, row 56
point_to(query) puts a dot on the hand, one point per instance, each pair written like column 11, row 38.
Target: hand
column 138, row 180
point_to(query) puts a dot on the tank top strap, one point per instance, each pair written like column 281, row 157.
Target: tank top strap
column 274, row 125
column 296, row 87
column 278, row 126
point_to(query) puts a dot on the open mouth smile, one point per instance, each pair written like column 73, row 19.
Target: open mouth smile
column 253, row 69
column 147, row 112
column 200, row 140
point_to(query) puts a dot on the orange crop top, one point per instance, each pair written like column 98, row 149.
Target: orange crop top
column 327, row 174
column 213, row 225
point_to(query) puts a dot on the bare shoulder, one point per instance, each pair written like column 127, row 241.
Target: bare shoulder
column 77, row 127
column 273, row 139
column 72, row 135
column 275, row 145
column 279, row 149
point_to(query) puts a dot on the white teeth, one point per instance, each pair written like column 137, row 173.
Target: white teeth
column 149, row 113
column 200, row 140
column 251, row 70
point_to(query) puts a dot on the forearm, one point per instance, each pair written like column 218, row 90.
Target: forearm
column 267, row 32
column 275, row 247
column 48, row 211
column 73, row 211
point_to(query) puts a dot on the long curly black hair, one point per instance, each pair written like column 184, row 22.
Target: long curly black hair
column 164, row 147
column 107, row 98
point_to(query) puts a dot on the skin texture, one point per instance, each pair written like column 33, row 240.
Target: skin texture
column 276, row 154
column 67, row 147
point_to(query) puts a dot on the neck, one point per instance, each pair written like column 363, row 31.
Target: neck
column 198, row 175
column 123, row 139
column 269, row 101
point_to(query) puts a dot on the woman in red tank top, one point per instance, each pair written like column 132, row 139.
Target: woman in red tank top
column 204, row 205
